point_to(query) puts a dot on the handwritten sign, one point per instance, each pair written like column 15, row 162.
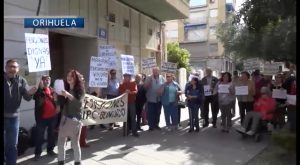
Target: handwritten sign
column 169, row 67
column 107, row 54
column 100, row 111
column 59, row 86
column 207, row 91
column 37, row 49
column 279, row 93
column 127, row 64
column 241, row 90
column 271, row 68
column 223, row 88
column 98, row 74
column 149, row 63
column 291, row 99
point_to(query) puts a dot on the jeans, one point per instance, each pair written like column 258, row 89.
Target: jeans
column 213, row 100
column 131, row 118
column 69, row 128
column 41, row 127
column 226, row 115
column 170, row 111
column 11, row 132
column 153, row 114
column 194, row 116
column 256, row 117
column 245, row 107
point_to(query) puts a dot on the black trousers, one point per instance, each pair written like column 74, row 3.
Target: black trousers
column 245, row 107
column 214, row 105
column 139, row 109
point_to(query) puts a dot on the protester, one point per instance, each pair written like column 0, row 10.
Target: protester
column 83, row 134
column 140, row 100
column 178, row 98
column 263, row 110
column 280, row 111
column 245, row 102
column 235, row 80
column 46, row 116
column 152, row 85
column 70, row 125
column 290, row 85
column 112, row 90
column 226, row 101
column 194, row 93
column 169, row 98
column 14, row 90
column 211, row 81
column 259, row 82
column 130, row 88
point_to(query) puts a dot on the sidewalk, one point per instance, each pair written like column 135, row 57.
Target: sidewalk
column 208, row 147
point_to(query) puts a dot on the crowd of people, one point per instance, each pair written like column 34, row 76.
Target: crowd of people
column 145, row 94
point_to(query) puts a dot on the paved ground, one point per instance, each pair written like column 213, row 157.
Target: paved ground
column 208, row 147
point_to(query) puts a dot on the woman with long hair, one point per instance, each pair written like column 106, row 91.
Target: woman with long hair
column 70, row 125
column 195, row 94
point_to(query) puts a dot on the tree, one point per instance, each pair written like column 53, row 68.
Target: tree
column 268, row 31
column 178, row 55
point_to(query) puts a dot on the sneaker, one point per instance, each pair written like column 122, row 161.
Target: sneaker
column 242, row 129
column 37, row 157
column 51, row 153
column 250, row 133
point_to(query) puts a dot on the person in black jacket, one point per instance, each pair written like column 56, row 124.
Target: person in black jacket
column 45, row 116
column 14, row 91
column 140, row 99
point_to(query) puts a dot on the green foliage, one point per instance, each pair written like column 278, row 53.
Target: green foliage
column 268, row 32
column 178, row 55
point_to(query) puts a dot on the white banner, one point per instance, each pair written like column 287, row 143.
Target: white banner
column 107, row 54
column 279, row 93
column 98, row 75
column 241, row 90
column 207, row 91
column 38, row 54
column 149, row 63
column 127, row 64
column 291, row 99
column 169, row 67
column 100, row 111
column 271, row 68
column 223, row 88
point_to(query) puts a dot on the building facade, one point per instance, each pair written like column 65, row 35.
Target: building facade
column 200, row 35
column 131, row 26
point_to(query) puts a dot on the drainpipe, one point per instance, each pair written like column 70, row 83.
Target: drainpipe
column 107, row 20
column 38, row 12
column 162, row 43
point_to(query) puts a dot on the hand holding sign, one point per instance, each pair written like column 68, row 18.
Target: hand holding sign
column 59, row 86
column 32, row 90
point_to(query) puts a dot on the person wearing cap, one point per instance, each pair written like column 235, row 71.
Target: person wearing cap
column 45, row 116
column 130, row 88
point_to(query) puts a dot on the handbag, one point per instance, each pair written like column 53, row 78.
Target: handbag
column 181, row 104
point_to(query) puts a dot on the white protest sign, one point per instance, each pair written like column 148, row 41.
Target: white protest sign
column 149, row 63
column 279, row 93
column 38, row 54
column 241, row 90
column 59, row 86
column 108, row 56
column 271, row 68
column 169, row 67
column 100, row 111
column 223, row 88
column 127, row 64
column 291, row 99
column 207, row 91
column 98, row 75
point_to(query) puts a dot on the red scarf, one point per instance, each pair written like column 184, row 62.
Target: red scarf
column 48, row 106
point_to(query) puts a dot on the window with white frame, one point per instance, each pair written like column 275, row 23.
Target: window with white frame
column 196, row 3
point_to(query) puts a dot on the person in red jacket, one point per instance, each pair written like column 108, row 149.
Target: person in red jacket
column 130, row 88
column 263, row 110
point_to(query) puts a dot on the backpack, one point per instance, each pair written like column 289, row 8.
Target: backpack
column 23, row 141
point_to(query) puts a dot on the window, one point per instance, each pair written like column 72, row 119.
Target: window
column 196, row 3
column 112, row 17
column 213, row 13
column 126, row 23
column 198, row 18
column 196, row 33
